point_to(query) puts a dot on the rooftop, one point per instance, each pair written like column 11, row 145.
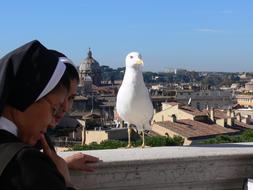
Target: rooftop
column 195, row 129
column 192, row 111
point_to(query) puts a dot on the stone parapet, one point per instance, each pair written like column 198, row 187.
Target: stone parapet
column 220, row 167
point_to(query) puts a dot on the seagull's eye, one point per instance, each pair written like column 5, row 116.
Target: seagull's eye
column 131, row 57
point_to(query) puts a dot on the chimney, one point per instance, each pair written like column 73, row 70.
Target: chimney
column 231, row 121
column 239, row 117
column 231, row 118
column 229, row 112
column 247, row 119
column 233, row 114
column 212, row 114
column 178, row 106
column 174, row 118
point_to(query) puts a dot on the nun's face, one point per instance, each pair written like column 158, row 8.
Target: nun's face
column 68, row 102
column 72, row 94
column 40, row 116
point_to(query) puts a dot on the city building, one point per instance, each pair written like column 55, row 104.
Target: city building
column 222, row 99
column 249, row 86
column 192, row 131
column 195, row 125
column 245, row 100
column 98, row 135
column 90, row 68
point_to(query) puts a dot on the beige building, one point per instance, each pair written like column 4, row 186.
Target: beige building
column 221, row 99
column 245, row 100
column 180, row 111
column 245, row 112
column 249, row 86
column 192, row 131
column 194, row 125
column 100, row 135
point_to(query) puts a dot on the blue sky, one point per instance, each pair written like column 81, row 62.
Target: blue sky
column 201, row 35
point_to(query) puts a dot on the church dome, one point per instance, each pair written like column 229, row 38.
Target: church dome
column 89, row 64
column 90, row 67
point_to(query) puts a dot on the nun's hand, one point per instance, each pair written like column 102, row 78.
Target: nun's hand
column 80, row 162
column 59, row 162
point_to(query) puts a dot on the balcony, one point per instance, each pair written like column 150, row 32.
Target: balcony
column 222, row 167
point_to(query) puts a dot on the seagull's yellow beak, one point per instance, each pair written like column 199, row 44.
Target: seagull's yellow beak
column 139, row 61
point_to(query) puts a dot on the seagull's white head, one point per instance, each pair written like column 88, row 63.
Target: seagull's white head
column 134, row 60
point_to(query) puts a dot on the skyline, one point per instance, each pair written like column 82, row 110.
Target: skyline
column 211, row 35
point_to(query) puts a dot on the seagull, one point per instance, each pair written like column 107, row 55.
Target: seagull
column 133, row 102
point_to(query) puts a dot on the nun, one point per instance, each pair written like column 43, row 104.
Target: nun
column 78, row 161
column 33, row 89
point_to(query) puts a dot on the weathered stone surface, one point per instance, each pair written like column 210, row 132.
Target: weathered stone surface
column 221, row 167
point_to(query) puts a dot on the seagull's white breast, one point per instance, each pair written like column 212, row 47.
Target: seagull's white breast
column 133, row 101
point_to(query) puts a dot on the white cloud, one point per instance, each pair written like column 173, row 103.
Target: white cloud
column 211, row 30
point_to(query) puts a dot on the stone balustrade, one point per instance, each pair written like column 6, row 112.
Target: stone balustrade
column 222, row 167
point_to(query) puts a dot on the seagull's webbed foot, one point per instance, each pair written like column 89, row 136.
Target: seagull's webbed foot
column 130, row 145
column 143, row 139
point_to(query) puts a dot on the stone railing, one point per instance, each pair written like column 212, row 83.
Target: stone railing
column 222, row 167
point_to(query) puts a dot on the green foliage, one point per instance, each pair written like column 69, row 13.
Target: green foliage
column 156, row 141
column 110, row 144
column 149, row 141
column 177, row 140
column 164, row 141
column 246, row 136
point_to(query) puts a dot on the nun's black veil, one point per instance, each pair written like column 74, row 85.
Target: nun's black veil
column 27, row 74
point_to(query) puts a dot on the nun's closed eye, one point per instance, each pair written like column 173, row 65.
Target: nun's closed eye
column 56, row 108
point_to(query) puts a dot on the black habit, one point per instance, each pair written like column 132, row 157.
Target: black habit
column 30, row 169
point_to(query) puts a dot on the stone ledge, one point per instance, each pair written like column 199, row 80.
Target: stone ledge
column 222, row 167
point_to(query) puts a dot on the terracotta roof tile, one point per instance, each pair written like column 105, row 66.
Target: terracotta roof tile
column 195, row 129
column 243, row 125
column 192, row 111
column 218, row 114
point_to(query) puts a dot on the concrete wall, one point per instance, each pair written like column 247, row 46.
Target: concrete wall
column 95, row 136
column 221, row 122
column 221, row 167
column 98, row 136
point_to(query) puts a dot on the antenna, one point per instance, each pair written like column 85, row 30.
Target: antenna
column 189, row 101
